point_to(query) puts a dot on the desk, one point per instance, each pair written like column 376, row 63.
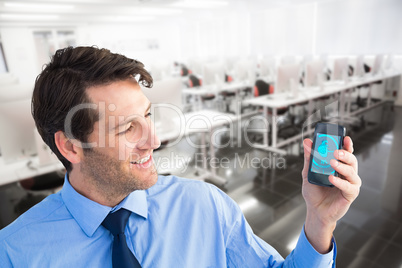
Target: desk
column 20, row 170
column 198, row 92
column 276, row 101
column 203, row 122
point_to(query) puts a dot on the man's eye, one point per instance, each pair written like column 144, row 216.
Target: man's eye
column 148, row 115
column 130, row 128
column 127, row 130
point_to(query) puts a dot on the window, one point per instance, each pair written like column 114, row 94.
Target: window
column 48, row 41
column 3, row 62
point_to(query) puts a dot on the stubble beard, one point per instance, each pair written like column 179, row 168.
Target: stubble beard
column 110, row 178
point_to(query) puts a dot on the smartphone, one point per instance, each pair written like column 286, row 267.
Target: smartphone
column 327, row 138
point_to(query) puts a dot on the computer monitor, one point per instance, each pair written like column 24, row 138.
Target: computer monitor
column 267, row 67
column 195, row 65
column 285, row 60
column 339, row 72
column 306, row 59
column 359, row 66
column 245, row 70
column 17, row 139
column 314, row 73
column 389, row 62
column 230, row 63
column 377, row 64
column 161, row 70
column 166, row 97
column 213, row 74
column 287, row 80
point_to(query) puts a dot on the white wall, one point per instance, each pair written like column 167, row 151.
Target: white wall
column 145, row 42
column 19, row 49
column 344, row 27
column 359, row 26
column 214, row 35
column 283, row 31
column 331, row 27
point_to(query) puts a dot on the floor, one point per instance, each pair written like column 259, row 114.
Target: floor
column 269, row 192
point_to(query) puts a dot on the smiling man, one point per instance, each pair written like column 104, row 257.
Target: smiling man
column 107, row 174
column 115, row 211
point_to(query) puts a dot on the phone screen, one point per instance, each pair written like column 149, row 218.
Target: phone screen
column 325, row 145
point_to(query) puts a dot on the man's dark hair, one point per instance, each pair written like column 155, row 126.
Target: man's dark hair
column 62, row 86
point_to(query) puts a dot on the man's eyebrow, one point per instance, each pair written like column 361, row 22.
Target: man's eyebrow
column 130, row 119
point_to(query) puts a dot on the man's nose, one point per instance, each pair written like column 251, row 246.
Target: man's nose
column 149, row 138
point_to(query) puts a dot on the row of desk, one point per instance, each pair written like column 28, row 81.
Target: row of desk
column 310, row 95
column 206, row 122
column 268, row 102
column 25, row 168
column 234, row 87
column 305, row 95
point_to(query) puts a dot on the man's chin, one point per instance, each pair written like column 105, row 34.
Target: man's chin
column 147, row 182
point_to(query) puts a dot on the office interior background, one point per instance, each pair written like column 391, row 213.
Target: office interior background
column 248, row 41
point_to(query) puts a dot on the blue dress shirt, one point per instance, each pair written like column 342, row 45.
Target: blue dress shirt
column 176, row 223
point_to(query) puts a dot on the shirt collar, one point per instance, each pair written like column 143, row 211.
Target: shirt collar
column 89, row 214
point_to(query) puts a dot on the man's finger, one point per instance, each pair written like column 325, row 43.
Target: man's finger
column 348, row 144
column 347, row 171
column 346, row 157
column 349, row 191
column 307, row 144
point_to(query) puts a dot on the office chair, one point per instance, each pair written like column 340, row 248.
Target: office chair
column 262, row 88
column 295, row 119
column 184, row 70
column 362, row 101
column 194, row 81
column 227, row 96
column 324, row 99
column 43, row 182
column 286, row 126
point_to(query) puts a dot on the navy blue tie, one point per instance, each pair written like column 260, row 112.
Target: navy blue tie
column 122, row 257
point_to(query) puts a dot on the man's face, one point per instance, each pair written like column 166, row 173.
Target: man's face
column 121, row 161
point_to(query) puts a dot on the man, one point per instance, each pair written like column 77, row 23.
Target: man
column 115, row 210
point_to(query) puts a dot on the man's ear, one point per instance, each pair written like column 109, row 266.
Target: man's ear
column 69, row 149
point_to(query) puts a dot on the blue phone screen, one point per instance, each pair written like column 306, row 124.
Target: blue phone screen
column 325, row 145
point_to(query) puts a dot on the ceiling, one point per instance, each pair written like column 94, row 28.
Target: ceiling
column 77, row 12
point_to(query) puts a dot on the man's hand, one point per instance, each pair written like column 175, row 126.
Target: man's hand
column 325, row 206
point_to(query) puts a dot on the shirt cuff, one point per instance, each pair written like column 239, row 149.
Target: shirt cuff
column 307, row 256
